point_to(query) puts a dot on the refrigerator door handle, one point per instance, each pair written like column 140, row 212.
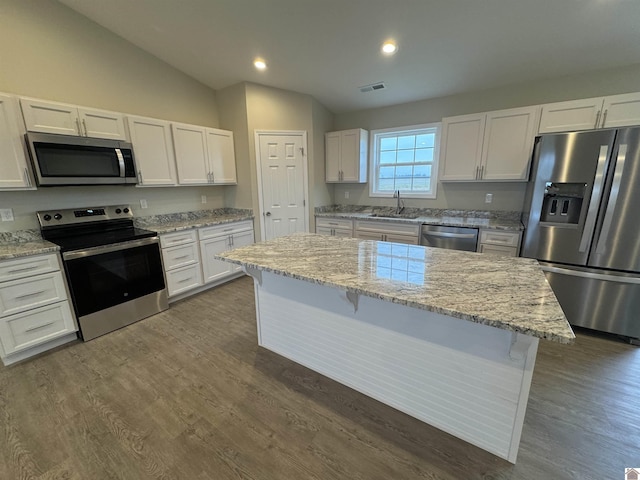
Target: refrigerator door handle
column 592, row 276
column 613, row 199
column 596, row 196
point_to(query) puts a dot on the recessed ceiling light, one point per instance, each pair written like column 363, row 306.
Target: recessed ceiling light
column 260, row 64
column 389, row 47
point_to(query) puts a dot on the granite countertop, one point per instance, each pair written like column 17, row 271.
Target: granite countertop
column 23, row 244
column 176, row 222
column 503, row 292
column 456, row 218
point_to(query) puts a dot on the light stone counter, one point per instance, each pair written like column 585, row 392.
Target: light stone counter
column 503, row 292
column 183, row 221
column 23, row 244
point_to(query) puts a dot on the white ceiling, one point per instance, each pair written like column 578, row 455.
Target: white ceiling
column 328, row 48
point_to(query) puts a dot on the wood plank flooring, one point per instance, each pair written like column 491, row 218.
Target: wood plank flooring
column 187, row 394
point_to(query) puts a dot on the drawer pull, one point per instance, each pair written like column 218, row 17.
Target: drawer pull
column 38, row 327
column 181, row 257
column 227, row 229
column 32, row 294
column 179, row 240
column 185, row 280
column 16, row 270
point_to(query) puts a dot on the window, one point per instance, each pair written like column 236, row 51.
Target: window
column 405, row 159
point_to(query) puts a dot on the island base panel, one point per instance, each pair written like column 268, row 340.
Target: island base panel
column 467, row 379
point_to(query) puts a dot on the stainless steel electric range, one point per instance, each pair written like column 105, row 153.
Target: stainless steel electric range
column 113, row 269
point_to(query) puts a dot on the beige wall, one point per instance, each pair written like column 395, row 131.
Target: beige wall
column 507, row 196
column 48, row 51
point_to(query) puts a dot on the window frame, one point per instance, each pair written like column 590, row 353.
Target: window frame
column 374, row 163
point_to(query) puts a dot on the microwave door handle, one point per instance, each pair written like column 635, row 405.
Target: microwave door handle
column 120, row 161
column 613, row 199
column 596, row 196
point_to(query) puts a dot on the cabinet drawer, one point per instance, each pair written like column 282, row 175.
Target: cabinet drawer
column 493, row 237
column 183, row 279
column 177, row 238
column 28, row 266
column 224, row 229
column 180, row 256
column 27, row 293
column 499, row 250
column 27, row 329
column 342, row 223
column 388, row 227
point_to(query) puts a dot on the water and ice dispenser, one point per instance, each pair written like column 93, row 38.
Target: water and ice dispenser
column 562, row 203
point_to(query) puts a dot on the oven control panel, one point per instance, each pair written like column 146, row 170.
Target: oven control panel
column 73, row 216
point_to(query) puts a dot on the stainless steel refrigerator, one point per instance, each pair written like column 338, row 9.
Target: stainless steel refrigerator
column 582, row 222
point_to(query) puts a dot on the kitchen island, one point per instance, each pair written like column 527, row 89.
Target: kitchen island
column 445, row 336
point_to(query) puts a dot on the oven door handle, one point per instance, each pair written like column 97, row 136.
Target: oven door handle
column 88, row 252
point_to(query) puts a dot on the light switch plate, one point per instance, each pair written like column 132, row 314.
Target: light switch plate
column 6, row 214
column 203, row 198
column 346, row 194
column 143, row 203
column 488, row 198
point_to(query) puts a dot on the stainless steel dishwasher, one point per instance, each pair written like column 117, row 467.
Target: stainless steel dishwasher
column 454, row 238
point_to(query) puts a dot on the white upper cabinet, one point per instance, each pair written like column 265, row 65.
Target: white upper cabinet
column 591, row 113
column 490, row 146
column 203, row 155
column 222, row 157
column 346, row 156
column 60, row 118
column 14, row 168
column 153, row 150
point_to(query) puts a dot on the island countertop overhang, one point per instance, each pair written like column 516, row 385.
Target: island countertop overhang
column 503, row 292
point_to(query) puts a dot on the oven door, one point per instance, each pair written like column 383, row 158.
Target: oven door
column 102, row 277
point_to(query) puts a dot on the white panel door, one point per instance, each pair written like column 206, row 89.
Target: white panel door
column 50, row 117
column 283, row 192
column 153, row 150
column 222, row 158
column 190, row 145
column 102, row 124
column 14, row 172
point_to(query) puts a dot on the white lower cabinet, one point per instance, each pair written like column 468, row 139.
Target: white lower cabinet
column 335, row 227
column 388, row 231
column 188, row 255
column 35, row 314
column 500, row 242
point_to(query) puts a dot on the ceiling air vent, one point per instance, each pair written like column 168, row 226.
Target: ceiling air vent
column 372, row 87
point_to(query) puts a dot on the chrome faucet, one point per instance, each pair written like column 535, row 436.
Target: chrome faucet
column 399, row 204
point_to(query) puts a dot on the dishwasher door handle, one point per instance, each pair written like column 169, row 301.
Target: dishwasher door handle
column 449, row 235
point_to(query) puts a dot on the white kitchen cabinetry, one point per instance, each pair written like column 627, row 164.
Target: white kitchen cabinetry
column 490, row 146
column 181, row 261
column 388, row 231
column 346, row 156
column 204, row 156
column 336, row 227
column 14, row 168
column 220, row 238
column 500, row 242
column 34, row 309
column 153, row 147
column 591, row 113
column 61, row 118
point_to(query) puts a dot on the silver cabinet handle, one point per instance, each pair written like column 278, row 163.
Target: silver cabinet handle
column 185, row 280
column 181, row 257
column 27, row 177
column 24, row 269
column 140, row 177
column 78, row 128
column 596, row 195
column 38, row 327
column 477, row 172
column 481, row 172
column 597, row 119
column 604, row 118
column 84, row 124
column 213, row 178
column 27, row 295
column 613, row 199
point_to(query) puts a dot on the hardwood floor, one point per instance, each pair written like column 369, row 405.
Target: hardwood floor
column 187, row 394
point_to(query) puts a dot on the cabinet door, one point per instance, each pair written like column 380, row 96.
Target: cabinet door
column 508, row 141
column 214, row 269
column 102, row 124
column 14, row 170
column 351, row 155
column 499, row 250
column 337, row 232
column 222, row 158
column 240, row 239
column 190, row 145
column 153, row 150
column 369, row 235
column 401, row 239
column 570, row 116
column 462, row 139
column 332, row 156
column 621, row 110
column 324, row 230
column 50, row 117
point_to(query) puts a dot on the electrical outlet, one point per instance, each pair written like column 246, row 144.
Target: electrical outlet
column 143, row 203
column 488, row 198
column 203, row 199
column 346, row 194
column 6, row 214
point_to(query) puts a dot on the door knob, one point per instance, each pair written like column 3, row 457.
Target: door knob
column 268, row 214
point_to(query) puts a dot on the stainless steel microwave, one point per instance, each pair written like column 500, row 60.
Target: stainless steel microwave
column 68, row 160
